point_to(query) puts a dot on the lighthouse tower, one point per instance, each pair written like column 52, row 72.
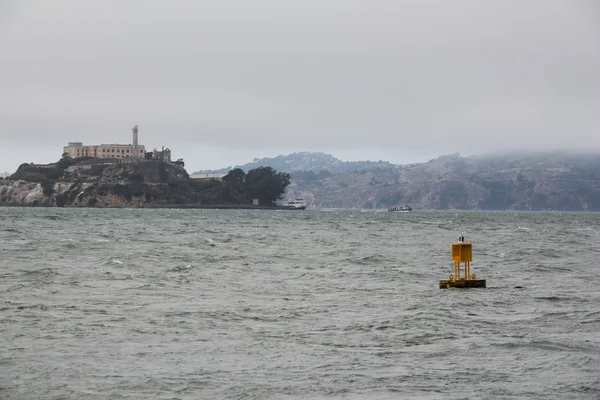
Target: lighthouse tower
column 136, row 149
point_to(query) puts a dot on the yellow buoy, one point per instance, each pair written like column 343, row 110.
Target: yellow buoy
column 462, row 253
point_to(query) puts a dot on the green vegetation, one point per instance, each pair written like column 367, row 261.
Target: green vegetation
column 65, row 162
column 135, row 177
column 48, row 187
column 237, row 187
column 310, row 175
column 266, row 185
column 235, row 175
column 61, row 200
column 96, row 170
column 34, row 173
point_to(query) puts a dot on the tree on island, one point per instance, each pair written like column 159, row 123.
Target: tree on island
column 235, row 175
column 264, row 183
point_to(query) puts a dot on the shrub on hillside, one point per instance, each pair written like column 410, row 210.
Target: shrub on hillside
column 48, row 187
column 65, row 162
column 61, row 200
column 96, row 170
column 137, row 189
column 33, row 173
column 136, row 177
column 53, row 173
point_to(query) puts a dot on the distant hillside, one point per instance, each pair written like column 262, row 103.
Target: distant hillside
column 305, row 161
column 526, row 181
column 543, row 181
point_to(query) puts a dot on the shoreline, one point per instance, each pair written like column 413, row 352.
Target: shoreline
column 221, row 207
column 167, row 206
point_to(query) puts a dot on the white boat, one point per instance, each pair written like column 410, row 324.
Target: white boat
column 296, row 204
column 405, row 208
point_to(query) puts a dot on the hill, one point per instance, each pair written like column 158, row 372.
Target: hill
column 305, row 162
column 540, row 181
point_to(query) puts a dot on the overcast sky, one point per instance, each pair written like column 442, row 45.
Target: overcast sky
column 222, row 82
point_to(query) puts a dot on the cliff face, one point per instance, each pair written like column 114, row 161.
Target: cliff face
column 554, row 181
column 93, row 182
column 18, row 193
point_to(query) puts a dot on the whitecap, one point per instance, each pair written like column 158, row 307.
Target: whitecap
column 181, row 268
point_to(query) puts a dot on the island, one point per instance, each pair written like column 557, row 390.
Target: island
column 135, row 182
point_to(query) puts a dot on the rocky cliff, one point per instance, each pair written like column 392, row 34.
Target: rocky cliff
column 94, row 182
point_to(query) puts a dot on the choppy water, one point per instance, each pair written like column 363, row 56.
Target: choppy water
column 187, row 304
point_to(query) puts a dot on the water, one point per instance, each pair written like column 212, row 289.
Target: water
column 188, row 304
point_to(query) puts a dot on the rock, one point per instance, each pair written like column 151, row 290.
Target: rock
column 93, row 182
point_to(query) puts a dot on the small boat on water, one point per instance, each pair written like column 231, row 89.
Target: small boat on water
column 296, row 204
column 405, row 208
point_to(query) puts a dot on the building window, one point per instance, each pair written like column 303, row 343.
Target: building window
column 128, row 150
column 113, row 150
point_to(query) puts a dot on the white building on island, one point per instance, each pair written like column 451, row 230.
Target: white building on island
column 134, row 150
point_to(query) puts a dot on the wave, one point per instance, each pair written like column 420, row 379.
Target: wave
column 552, row 298
column 210, row 242
column 547, row 268
column 373, row 259
column 40, row 272
column 180, row 268
column 545, row 345
column 52, row 217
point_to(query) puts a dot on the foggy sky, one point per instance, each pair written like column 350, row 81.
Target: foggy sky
column 222, row 82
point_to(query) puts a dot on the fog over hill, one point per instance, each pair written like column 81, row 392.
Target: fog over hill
column 517, row 181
